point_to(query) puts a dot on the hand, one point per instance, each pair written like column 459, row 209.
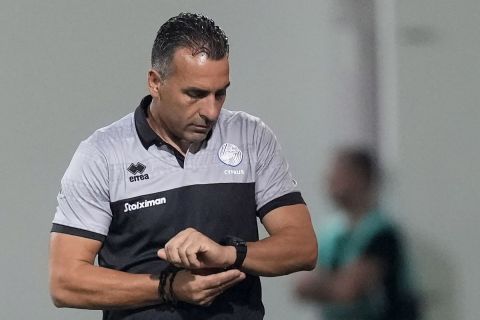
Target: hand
column 202, row 290
column 190, row 249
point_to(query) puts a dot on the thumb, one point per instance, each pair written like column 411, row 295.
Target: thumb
column 161, row 254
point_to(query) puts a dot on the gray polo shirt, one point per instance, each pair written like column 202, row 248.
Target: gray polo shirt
column 132, row 191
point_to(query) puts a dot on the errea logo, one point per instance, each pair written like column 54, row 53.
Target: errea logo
column 137, row 171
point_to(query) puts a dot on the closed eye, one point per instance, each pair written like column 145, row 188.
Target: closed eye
column 220, row 94
column 196, row 93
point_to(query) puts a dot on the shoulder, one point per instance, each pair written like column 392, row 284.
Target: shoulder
column 106, row 139
column 229, row 117
column 94, row 154
column 249, row 126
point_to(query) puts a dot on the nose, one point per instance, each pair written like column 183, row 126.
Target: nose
column 210, row 110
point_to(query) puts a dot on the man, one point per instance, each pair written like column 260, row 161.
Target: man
column 168, row 198
column 361, row 274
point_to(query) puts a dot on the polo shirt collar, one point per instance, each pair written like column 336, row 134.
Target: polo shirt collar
column 147, row 136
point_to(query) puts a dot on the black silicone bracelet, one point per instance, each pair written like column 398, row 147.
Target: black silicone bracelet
column 173, row 298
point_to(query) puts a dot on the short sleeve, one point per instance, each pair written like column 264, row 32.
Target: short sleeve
column 83, row 201
column 274, row 185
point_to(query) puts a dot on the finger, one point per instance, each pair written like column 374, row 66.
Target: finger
column 215, row 292
column 191, row 253
column 220, row 290
column 224, row 286
column 215, row 280
column 172, row 254
column 191, row 247
column 207, row 301
column 173, row 245
column 162, row 254
column 187, row 254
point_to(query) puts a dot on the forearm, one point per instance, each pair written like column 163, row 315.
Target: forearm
column 281, row 254
column 291, row 246
column 91, row 287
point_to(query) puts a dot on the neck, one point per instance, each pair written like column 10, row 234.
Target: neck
column 161, row 130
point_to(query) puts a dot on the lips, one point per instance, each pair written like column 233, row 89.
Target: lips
column 200, row 128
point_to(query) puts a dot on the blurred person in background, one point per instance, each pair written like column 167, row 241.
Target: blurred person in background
column 361, row 271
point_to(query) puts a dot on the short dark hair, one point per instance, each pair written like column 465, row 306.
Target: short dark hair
column 364, row 161
column 187, row 30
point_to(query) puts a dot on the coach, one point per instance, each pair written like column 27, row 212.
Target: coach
column 168, row 198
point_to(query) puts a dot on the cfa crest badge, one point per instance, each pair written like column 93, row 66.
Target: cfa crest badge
column 230, row 154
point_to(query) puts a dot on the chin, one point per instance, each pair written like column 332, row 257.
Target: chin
column 196, row 137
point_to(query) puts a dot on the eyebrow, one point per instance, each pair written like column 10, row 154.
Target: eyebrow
column 199, row 90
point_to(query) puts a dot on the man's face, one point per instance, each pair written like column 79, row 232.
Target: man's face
column 191, row 96
column 344, row 182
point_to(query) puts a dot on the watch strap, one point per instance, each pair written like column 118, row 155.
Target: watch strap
column 240, row 246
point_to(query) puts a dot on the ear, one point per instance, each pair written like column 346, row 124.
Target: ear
column 154, row 82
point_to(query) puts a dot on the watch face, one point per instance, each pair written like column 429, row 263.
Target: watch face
column 234, row 241
column 240, row 247
column 239, row 242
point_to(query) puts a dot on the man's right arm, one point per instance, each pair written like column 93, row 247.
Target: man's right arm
column 76, row 282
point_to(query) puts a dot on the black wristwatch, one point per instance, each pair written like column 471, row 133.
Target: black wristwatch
column 241, row 248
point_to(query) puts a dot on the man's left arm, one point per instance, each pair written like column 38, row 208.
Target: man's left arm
column 290, row 247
